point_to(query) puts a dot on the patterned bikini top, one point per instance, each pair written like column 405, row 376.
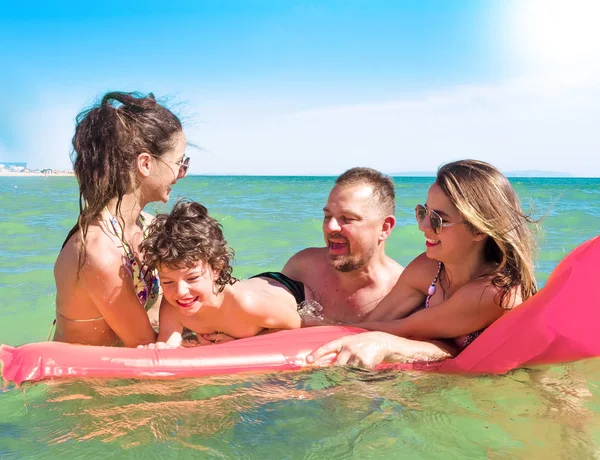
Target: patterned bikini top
column 431, row 290
column 145, row 282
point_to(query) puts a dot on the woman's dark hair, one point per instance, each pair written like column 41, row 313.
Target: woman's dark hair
column 108, row 139
column 186, row 236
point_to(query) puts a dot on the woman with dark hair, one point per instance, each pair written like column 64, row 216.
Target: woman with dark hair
column 477, row 265
column 128, row 151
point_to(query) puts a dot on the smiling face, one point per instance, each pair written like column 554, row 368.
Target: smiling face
column 454, row 239
column 167, row 170
column 190, row 289
column 352, row 226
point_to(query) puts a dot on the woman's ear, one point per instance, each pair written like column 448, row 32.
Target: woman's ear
column 479, row 235
column 144, row 164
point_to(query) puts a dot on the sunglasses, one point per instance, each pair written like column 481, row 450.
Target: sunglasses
column 435, row 220
column 184, row 164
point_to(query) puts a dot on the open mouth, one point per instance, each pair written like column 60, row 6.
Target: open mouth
column 337, row 247
column 186, row 303
column 430, row 243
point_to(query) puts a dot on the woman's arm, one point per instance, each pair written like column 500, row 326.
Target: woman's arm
column 110, row 286
column 369, row 349
column 409, row 292
column 471, row 308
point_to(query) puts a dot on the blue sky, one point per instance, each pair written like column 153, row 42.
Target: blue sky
column 278, row 87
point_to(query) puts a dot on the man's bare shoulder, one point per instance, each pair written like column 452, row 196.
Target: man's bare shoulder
column 393, row 267
column 305, row 260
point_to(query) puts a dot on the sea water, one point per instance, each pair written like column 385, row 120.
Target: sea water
column 550, row 412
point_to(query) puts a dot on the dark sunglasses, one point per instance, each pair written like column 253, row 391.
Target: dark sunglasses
column 436, row 222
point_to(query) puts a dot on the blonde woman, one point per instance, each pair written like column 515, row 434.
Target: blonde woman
column 477, row 265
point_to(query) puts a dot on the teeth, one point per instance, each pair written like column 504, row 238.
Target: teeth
column 432, row 241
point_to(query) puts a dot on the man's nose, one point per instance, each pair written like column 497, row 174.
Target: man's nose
column 332, row 225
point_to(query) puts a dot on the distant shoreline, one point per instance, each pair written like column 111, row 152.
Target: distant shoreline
column 38, row 174
column 398, row 175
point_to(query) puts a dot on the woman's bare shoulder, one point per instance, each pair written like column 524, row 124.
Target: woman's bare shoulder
column 420, row 272
column 102, row 252
column 487, row 293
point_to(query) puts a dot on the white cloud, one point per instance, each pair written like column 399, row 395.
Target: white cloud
column 530, row 123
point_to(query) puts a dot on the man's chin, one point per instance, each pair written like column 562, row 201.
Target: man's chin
column 342, row 265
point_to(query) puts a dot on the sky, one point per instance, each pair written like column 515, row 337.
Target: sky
column 308, row 88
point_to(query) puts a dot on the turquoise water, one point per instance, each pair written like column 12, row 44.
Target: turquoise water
column 331, row 413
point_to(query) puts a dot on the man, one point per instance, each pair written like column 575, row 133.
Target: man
column 352, row 273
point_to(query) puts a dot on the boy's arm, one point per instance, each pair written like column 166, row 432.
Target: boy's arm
column 170, row 328
column 272, row 309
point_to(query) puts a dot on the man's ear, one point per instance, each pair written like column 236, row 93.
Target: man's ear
column 386, row 228
column 144, row 164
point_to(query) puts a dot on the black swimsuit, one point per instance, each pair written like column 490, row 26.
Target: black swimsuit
column 296, row 288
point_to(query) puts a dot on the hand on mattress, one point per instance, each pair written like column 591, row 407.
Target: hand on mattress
column 218, row 337
column 158, row 346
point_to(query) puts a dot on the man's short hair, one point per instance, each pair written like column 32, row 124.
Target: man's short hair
column 383, row 186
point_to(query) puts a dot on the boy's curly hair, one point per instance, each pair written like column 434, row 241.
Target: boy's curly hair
column 186, row 236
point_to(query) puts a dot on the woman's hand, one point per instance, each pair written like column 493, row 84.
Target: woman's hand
column 158, row 346
column 369, row 349
column 218, row 337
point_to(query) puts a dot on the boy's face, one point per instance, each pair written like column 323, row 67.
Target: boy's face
column 189, row 288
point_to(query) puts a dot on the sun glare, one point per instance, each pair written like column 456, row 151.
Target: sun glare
column 556, row 34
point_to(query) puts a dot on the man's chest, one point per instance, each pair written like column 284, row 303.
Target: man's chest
column 347, row 306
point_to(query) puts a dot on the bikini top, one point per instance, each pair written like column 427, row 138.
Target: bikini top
column 431, row 290
column 145, row 281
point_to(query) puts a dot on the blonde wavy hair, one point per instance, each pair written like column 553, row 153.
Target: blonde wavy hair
column 489, row 204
